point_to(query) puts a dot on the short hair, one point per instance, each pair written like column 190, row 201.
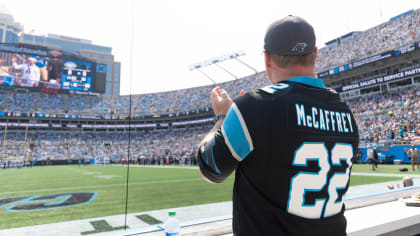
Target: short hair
column 301, row 60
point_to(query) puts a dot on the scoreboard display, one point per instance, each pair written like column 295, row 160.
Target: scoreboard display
column 77, row 75
column 59, row 72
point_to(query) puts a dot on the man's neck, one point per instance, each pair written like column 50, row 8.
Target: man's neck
column 291, row 72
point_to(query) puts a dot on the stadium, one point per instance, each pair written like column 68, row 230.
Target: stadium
column 77, row 158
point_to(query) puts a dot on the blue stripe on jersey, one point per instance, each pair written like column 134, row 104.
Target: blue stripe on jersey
column 236, row 134
column 309, row 81
column 212, row 155
column 206, row 150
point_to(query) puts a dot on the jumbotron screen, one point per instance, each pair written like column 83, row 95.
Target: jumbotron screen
column 77, row 75
column 44, row 70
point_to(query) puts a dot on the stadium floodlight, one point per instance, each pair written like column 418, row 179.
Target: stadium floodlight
column 217, row 60
column 206, row 75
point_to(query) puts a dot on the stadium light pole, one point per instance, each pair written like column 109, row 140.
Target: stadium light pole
column 245, row 64
column 225, row 70
column 206, row 75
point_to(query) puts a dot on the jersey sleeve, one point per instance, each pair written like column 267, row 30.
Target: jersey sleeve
column 215, row 160
column 230, row 145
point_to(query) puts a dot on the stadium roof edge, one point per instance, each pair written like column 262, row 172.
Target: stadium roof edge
column 341, row 37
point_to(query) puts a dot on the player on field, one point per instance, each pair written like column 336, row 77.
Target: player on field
column 291, row 143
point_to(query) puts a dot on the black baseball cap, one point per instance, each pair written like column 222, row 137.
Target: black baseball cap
column 290, row 36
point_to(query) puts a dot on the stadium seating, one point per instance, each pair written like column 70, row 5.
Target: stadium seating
column 393, row 116
column 384, row 37
column 148, row 146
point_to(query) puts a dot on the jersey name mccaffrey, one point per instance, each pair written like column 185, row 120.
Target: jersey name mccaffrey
column 322, row 119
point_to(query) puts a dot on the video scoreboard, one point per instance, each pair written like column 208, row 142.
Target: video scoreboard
column 59, row 72
column 77, row 75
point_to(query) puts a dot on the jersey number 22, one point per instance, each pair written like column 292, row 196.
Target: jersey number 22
column 309, row 181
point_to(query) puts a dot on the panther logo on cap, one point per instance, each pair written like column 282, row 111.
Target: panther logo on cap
column 299, row 47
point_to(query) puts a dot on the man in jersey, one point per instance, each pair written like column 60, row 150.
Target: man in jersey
column 291, row 143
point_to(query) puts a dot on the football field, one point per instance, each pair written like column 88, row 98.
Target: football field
column 48, row 194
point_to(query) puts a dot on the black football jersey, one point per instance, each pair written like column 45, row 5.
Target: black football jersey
column 292, row 145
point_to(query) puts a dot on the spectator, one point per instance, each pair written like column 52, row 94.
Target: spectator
column 413, row 154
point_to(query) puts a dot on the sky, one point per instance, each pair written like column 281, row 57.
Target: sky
column 156, row 41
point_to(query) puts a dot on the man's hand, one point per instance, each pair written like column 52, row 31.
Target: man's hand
column 13, row 59
column 220, row 101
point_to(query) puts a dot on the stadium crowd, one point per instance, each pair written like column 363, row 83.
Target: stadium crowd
column 146, row 147
column 392, row 117
column 384, row 37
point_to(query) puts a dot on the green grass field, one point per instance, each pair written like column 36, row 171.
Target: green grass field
column 149, row 189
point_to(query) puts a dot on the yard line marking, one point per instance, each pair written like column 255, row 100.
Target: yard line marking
column 157, row 166
column 104, row 186
column 86, row 172
column 385, row 174
column 107, row 176
column 97, row 174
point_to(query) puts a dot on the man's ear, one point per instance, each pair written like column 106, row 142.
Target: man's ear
column 315, row 53
column 268, row 60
